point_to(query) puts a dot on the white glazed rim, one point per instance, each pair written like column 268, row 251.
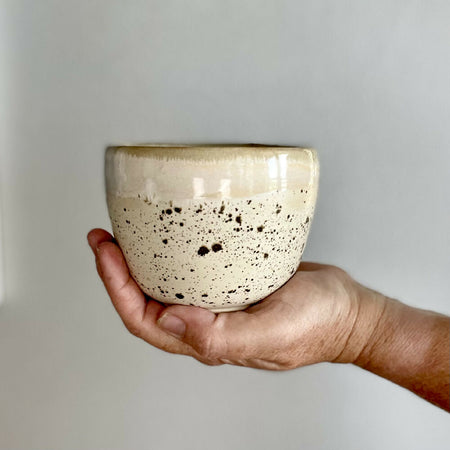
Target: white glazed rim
column 207, row 146
column 211, row 151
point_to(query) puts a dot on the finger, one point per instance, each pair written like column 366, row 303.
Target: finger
column 216, row 338
column 162, row 339
column 310, row 266
column 99, row 269
column 138, row 313
column 128, row 300
column 96, row 236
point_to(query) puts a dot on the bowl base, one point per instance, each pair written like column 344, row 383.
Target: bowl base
column 231, row 308
column 218, row 309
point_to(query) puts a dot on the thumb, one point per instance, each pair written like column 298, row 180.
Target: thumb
column 201, row 329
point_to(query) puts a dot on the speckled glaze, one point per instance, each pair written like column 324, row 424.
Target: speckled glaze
column 219, row 227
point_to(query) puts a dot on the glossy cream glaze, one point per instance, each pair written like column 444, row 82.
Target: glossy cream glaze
column 220, row 248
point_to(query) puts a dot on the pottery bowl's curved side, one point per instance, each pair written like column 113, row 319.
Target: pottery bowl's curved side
column 219, row 227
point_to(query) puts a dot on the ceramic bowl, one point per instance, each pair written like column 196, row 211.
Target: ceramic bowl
column 216, row 226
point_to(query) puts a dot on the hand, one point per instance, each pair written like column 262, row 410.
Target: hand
column 319, row 315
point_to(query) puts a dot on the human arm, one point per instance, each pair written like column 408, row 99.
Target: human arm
column 320, row 315
column 411, row 347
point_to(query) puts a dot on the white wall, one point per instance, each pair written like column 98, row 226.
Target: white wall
column 366, row 83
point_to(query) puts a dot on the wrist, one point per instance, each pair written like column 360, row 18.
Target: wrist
column 411, row 348
column 370, row 311
column 403, row 333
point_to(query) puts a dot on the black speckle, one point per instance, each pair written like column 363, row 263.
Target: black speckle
column 307, row 220
column 180, row 296
column 216, row 247
column 181, row 224
column 266, row 255
column 178, row 210
column 128, row 222
column 125, row 209
column 165, row 241
column 222, row 209
column 192, row 270
column 203, row 250
column 204, row 295
column 260, row 228
column 168, row 211
column 238, row 220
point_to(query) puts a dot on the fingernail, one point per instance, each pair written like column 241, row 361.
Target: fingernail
column 172, row 325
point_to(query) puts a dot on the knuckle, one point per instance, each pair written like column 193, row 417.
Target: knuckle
column 133, row 328
column 290, row 362
column 287, row 365
column 209, row 350
column 283, row 359
column 338, row 273
column 335, row 269
column 210, row 363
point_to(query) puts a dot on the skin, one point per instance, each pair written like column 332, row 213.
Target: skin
column 320, row 315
